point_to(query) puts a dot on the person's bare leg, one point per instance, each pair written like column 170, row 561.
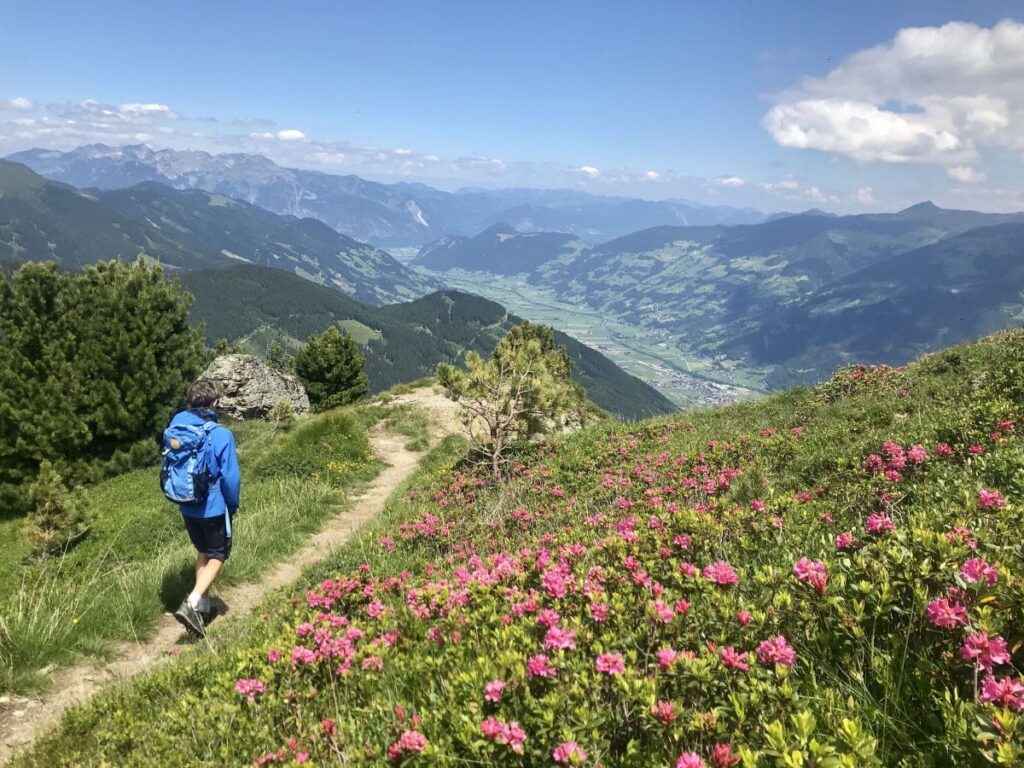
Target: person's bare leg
column 201, row 561
column 205, row 576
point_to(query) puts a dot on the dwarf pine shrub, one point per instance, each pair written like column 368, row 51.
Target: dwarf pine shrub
column 56, row 520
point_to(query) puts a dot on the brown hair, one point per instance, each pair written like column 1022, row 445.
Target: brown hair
column 204, row 393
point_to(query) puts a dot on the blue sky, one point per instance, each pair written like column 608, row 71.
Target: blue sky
column 778, row 105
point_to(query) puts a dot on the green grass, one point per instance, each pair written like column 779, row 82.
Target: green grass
column 161, row 689
column 137, row 562
column 866, row 653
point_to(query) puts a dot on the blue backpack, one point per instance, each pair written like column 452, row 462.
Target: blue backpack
column 185, row 473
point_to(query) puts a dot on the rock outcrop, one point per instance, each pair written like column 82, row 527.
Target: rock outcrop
column 252, row 388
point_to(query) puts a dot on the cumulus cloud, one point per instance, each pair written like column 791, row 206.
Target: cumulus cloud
column 965, row 174
column 728, row 181
column 652, row 176
column 291, row 134
column 783, row 185
column 19, row 103
column 930, row 95
column 815, row 194
column 865, row 196
column 588, row 170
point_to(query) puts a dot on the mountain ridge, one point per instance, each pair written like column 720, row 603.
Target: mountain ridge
column 399, row 214
column 186, row 229
column 402, row 341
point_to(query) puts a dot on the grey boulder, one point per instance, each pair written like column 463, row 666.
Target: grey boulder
column 252, row 388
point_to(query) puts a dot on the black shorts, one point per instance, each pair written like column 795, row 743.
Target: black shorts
column 209, row 536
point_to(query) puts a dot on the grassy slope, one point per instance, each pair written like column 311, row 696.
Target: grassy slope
column 137, row 561
column 874, row 682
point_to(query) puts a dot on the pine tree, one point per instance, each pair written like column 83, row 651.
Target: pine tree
column 330, row 367
column 523, row 389
column 90, row 368
column 56, row 520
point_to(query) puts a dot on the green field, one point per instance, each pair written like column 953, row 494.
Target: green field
column 651, row 355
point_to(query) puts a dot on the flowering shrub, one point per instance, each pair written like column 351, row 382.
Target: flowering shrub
column 623, row 600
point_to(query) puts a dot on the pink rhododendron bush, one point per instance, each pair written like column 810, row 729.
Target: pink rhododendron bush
column 830, row 577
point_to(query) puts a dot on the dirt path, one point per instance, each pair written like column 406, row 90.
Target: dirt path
column 24, row 718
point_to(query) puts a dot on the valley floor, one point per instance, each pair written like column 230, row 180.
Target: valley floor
column 651, row 355
column 22, row 718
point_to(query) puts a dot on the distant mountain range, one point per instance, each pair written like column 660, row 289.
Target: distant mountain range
column 383, row 214
column 187, row 229
column 793, row 296
column 252, row 305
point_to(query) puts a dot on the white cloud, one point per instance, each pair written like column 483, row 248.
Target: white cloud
column 146, row 110
column 652, row 176
column 291, row 134
column 815, row 194
column 965, row 174
column 589, row 170
column 19, row 103
column 728, row 181
column 401, row 152
column 858, row 129
column 261, row 135
column 783, row 185
column 865, row 196
column 931, row 95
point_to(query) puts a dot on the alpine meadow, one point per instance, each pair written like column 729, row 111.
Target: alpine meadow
column 398, row 385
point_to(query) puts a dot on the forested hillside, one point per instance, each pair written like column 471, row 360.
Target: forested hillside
column 402, row 342
column 42, row 220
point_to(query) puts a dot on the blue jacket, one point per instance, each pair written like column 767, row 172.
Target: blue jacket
column 223, row 461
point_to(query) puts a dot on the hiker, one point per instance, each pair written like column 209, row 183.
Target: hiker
column 200, row 472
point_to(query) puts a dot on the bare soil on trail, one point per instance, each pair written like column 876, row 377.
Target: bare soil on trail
column 23, row 718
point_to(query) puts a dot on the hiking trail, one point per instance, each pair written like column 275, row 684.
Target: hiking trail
column 23, row 718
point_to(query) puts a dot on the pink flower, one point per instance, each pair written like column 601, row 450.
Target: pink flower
column 733, row 659
column 721, row 573
column 990, row 500
column 664, row 711
column 560, row 639
column 273, row 655
column 504, row 733
column 777, row 650
column 250, row 688
column 946, row 614
column 688, row 569
column 409, row 743
column 722, row 756
column 690, row 760
column 548, row 617
column 302, row 655
column 666, row 658
column 662, row 611
column 757, row 505
column 373, row 662
column 568, row 753
column 811, row 572
column 917, row 454
column 976, row 569
column 984, row 651
column 1008, row 692
column 493, row 690
column 975, row 450
column 610, row 664
column 537, row 666
column 943, row 449
column 874, row 463
column 877, row 523
column 743, row 617
column 845, row 540
column 599, row 611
